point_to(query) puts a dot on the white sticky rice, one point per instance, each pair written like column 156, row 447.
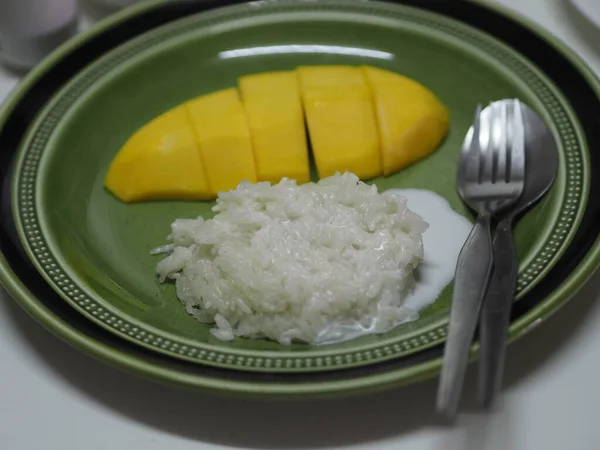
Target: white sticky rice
column 318, row 263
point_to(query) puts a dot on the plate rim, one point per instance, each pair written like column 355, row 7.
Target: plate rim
column 204, row 353
column 551, row 303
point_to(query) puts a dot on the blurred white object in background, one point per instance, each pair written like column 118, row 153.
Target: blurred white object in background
column 30, row 29
column 590, row 9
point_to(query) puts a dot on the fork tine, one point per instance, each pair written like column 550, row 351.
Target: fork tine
column 489, row 135
column 517, row 144
column 477, row 123
column 470, row 161
column 502, row 145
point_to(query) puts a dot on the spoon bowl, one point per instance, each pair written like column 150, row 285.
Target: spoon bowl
column 542, row 163
column 541, row 153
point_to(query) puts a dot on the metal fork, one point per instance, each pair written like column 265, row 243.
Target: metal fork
column 491, row 177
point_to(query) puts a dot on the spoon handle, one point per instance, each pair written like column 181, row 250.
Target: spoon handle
column 495, row 313
column 472, row 274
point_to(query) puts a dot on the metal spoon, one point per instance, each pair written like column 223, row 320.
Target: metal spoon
column 541, row 155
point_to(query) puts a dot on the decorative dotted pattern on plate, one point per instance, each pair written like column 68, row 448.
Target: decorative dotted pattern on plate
column 144, row 335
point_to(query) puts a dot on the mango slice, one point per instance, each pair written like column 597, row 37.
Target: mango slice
column 341, row 120
column 274, row 112
column 412, row 121
column 160, row 161
column 223, row 136
column 363, row 120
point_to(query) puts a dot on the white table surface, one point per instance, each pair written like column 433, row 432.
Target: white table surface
column 53, row 397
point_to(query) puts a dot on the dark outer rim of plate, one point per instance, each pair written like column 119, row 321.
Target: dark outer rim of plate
column 574, row 78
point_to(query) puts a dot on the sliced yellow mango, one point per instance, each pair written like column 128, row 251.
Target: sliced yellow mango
column 160, row 161
column 341, row 120
column 274, row 111
column 412, row 121
column 223, row 136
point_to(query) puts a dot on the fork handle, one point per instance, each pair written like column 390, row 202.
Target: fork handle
column 470, row 280
column 495, row 313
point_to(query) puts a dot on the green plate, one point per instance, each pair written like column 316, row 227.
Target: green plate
column 95, row 251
